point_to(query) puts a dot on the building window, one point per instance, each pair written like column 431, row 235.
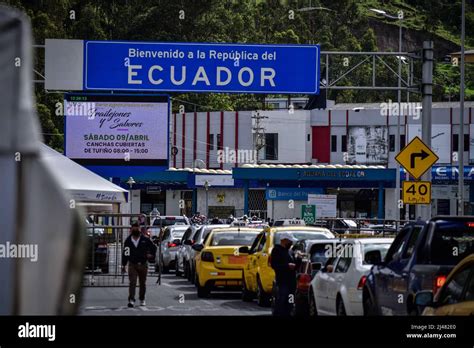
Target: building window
column 402, row 141
column 455, row 142
column 211, row 142
column 333, row 143
column 271, row 146
column 309, row 137
column 344, row 143
column 466, row 142
column 218, row 141
column 391, row 141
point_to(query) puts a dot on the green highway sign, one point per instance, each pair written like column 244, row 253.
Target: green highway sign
column 308, row 213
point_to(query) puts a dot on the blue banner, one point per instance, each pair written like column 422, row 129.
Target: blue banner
column 201, row 67
column 451, row 173
column 297, row 194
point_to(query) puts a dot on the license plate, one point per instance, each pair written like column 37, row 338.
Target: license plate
column 227, row 283
column 237, row 260
column 233, row 283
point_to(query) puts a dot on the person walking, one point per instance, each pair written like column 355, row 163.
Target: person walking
column 137, row 250
column 284, row 266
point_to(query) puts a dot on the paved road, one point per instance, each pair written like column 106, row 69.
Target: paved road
column 175, row 296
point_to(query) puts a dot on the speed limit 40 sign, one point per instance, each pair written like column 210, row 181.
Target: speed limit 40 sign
column 416, row 192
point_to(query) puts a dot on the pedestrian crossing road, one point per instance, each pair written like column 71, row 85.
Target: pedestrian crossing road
column 175, row 296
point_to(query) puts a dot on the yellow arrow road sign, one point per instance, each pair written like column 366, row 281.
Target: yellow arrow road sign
column 416, row 158
column 416, row 192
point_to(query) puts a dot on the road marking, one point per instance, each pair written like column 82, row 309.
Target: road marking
column 167, row 284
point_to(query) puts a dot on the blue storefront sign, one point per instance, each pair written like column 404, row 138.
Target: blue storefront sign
column 201, row 67
column 451, row 173
column 297, row 194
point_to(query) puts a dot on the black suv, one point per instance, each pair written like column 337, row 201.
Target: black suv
column 420, row 258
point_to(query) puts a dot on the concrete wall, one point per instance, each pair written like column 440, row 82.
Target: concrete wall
column 341, row 116
column 292, row 129
column 172, row 202
column 233, row 197
column 280, row 209
column 135, row 201
column 244, row 136
column 390, row 204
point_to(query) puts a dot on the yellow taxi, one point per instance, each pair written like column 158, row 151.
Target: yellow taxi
column 456, row 296
column 219, row 264
column 258, row 275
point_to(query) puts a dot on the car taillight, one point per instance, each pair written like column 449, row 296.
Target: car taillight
column 361, row 284
column 303, row 282
column 438, row 283
column 470, row 224
column 207, row 256
column 193, row 242
column 171, row 245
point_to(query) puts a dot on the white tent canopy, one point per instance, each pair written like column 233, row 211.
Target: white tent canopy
column 80, row 183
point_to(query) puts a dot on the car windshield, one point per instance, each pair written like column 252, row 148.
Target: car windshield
column 300, row 235
column 233, row 238
column 169, row 221
column 452, row 241
column 350, row 223
column 382, row 247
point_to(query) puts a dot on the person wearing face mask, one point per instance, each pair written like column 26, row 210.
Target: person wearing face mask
column 137, row 250
column 283, row 263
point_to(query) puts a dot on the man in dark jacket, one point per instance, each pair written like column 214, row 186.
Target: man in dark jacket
column 285, row 275
column 137, row 250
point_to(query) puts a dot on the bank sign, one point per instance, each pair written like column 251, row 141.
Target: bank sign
column 201, row 67
column 286, row 193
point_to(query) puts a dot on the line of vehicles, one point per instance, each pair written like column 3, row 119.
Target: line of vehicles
column 425, row 268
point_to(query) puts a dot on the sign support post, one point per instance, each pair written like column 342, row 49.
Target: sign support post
column 427, row 93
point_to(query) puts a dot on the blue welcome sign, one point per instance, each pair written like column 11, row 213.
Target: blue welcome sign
column 201, row 67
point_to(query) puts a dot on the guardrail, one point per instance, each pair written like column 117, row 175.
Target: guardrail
column 362, row 226
column 103, row 266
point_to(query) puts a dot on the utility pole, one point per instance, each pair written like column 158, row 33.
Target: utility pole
column 397, row 133
column 427, row 95
column 461, row 119
column 259, row 141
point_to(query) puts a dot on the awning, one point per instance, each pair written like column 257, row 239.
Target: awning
column 80, row 183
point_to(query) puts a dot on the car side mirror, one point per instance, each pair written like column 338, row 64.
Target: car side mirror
column 424, row 298
column 373, row 257
column 244, row 250
column 188, row 242
column 198, row 247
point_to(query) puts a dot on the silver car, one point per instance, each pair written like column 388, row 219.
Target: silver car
column 182, row 261
column 159, row 223
column 168, row 246
column 202, row 232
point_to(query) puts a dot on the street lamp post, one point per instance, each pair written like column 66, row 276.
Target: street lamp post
column 130, row 183
column 399, row 99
